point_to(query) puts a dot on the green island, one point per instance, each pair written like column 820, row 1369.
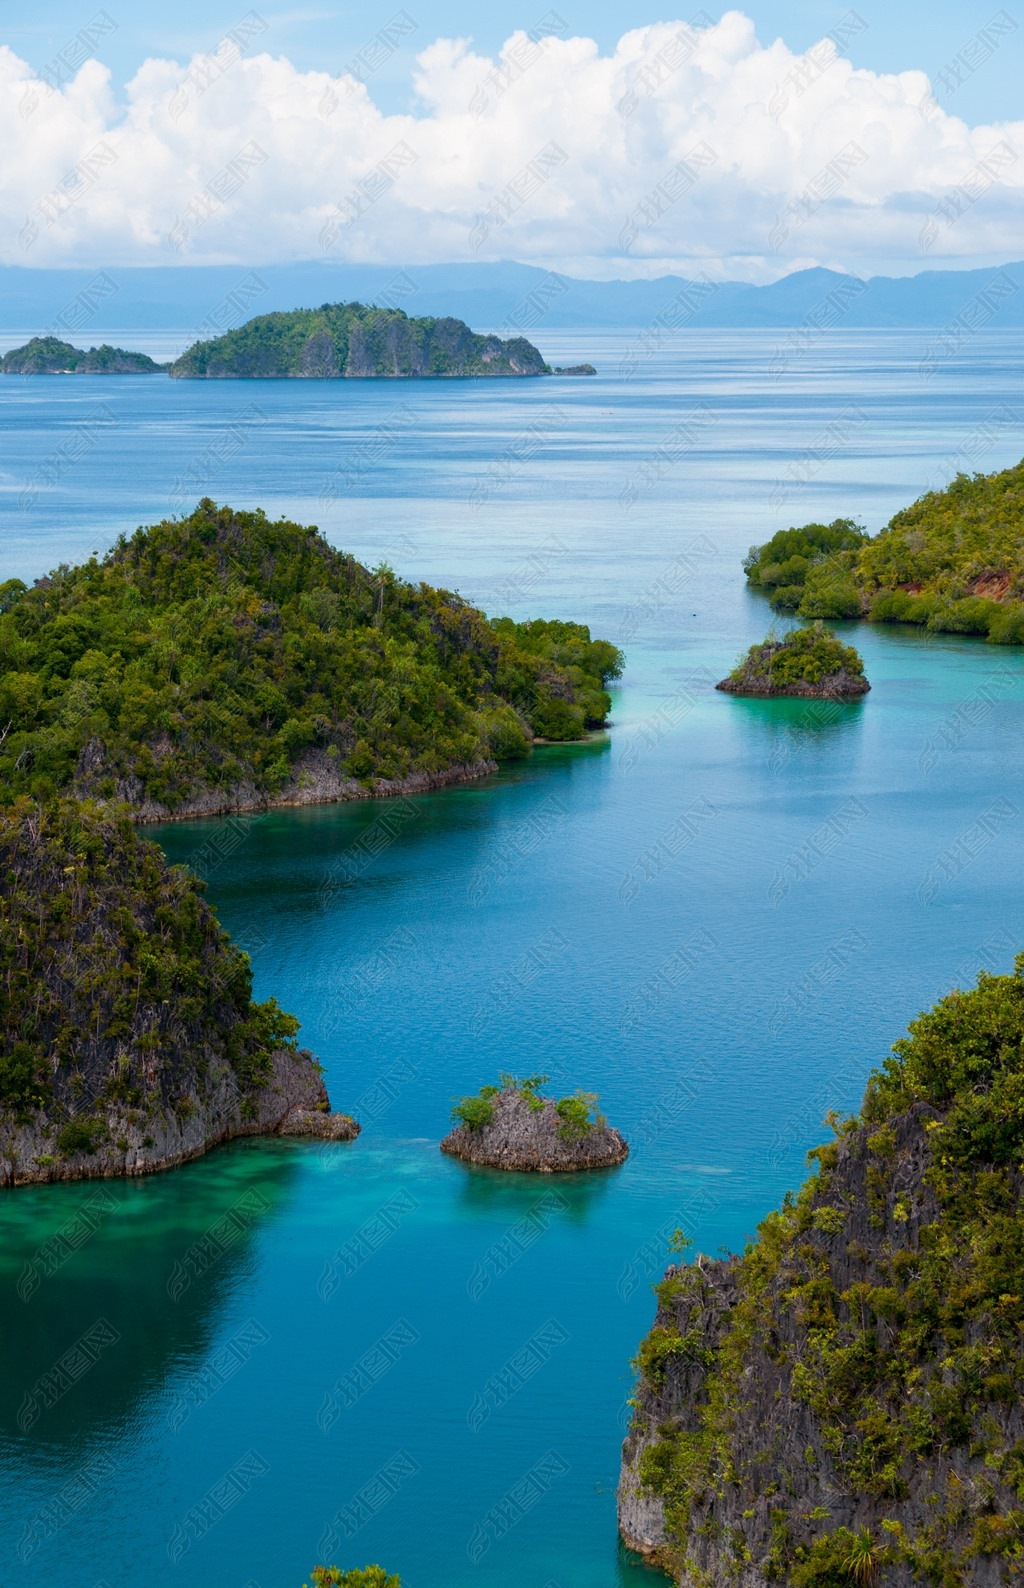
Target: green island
column 355, row 341
column 810, row 661
column 512, row 1126
column 46, row 355
column 227, row 662
column 129, row 1039
column 844, row 1399
column 952, row 562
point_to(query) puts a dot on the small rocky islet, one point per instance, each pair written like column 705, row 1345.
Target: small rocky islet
column 808, row 662
column 512, row 1126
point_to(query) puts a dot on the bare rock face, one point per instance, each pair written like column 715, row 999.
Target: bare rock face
column 525, row 1136
column 293, row 1103
column 129, row 1039
column 832, row 686
column 750, row 1456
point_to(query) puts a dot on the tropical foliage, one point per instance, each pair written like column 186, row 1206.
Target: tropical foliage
column 47, row 355
column 802, row 656
column 224, row 649
column 780, row 567
column 953, row 561
column 355, row 339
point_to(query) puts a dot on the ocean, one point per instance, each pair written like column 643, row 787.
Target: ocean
column 718, row 914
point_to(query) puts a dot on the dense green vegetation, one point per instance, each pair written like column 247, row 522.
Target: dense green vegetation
column 953, row 561
column 803, row 656
column 886, row 1302
column 117, row 985
column 46, row 355
column 780, row 567
column 224, row 649
column 354, row 339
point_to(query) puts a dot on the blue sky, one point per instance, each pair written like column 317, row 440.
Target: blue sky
column 600, row 141
column 925, row 34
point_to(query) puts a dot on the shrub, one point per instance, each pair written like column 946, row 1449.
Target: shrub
column 80, row 1135
column 964, row 1056
column 366, row 1577
column 787, row 597
column 1007, row 625
column 574, row 1115
column 971, row 616
column 892, row 606
column 528, row 1087
column 476, row 1112
column 23, row 1083
column 785, row 561
column 503, row 734
column 839, row 598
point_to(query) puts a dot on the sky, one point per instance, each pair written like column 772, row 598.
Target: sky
column 606, row 141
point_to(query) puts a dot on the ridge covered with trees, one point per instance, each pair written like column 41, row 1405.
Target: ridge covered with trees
column 225, row 653
column 354, row 340
column 47, row 355
column 845, row 1402
column 952, row 561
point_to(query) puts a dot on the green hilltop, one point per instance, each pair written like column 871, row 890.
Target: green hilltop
column 47, row 355
column 953, row 561
column 226, row 652
column 353, row 340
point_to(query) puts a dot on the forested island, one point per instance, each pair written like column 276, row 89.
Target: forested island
column 129, row 1039
column 355, row 341
column 46, row 355
column 953, row 562
column 227, row 662
column 843, row 1403
column 810, row 661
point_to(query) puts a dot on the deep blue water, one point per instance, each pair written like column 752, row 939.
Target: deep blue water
column 718, row 915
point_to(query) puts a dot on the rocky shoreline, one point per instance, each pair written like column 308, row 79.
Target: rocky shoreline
column 528, row 1134
column 317, row 780
column 835, row 686
column 293, row 1103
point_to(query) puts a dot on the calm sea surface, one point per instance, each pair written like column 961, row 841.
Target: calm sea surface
column 718, row 915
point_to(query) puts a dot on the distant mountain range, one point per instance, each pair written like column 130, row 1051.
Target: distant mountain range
column 209, row 299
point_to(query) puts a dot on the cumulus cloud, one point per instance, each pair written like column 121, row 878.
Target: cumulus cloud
column 682, row 149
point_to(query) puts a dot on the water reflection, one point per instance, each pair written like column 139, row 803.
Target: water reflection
column 111, row 1286
column 499, row 1193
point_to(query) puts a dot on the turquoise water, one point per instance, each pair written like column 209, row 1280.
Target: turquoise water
column 718, row 915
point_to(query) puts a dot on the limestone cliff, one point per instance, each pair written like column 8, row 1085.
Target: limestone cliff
column 129, row 1040
column 843, row 1403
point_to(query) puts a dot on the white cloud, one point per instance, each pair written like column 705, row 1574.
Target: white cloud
column 675, row 152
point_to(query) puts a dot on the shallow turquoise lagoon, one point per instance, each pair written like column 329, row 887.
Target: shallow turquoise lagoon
column 718, row 915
